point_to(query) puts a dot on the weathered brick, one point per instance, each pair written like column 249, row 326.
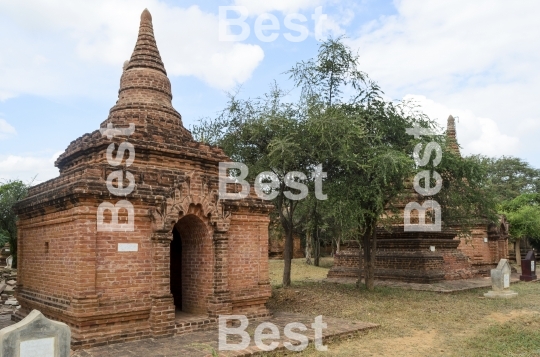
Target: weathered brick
column 108, row 296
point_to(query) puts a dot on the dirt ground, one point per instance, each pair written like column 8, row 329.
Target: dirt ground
column 414, row 323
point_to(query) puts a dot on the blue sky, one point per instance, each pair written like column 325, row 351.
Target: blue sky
column 60, row 65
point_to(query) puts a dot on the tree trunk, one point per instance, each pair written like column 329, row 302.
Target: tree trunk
column 367, row 259
column 288, row 246
column 13, row 247
column 317, row 249
column 338, row 244
column 308, row 249
column 360, row 264
column 373, row 248
column 517, row 248
column 287, row 257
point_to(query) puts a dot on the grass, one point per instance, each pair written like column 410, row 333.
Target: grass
column 300, row 271
column 516, row 338
column 414, row 323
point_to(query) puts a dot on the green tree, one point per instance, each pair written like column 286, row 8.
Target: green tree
column 508, row 177
column 11, row 192
column 335, row 69
column 341, row 123
column 523, row 215
column 268, row 135
column 466, row 196
column 361, row 141
column 4, row 238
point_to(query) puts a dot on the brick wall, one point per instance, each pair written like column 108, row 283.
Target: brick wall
column 407, row 257
column 248, row 263
column 75, row 274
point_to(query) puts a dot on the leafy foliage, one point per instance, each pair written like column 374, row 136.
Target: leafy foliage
column 464, row 198
column 360, row 141
column 523, row 214
column 10, row 193
column 508, row 177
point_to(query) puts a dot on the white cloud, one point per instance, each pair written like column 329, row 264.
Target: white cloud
column 25, row 168
column 6, row 130
column 333, row 25
column 436, row 44
column 285, row 6
column 481, row 56
column 199, row 52
column 61, row 46
column 330, row 24
column 475, row 135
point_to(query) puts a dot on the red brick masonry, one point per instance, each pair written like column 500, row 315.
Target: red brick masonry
column 406, row 256
column 75, row 274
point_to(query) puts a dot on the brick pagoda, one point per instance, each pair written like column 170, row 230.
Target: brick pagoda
column 427, row 257
column 487, row 243
column 184, row 256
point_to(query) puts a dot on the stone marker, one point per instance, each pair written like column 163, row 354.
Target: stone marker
column 35, row 336
column 500, row 280
column 528, row 267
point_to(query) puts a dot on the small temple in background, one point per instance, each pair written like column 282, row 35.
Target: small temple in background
column 428, row 257
column 488, row 242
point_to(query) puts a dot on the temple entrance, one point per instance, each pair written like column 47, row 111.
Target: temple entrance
column 191, row 266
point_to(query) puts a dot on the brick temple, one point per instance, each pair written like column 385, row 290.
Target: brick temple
column 182, row 255
column 428, row 257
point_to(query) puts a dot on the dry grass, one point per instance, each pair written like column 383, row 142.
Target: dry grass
column 415, row 323
column 300, row 271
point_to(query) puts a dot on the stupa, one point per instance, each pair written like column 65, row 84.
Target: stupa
column 132, row 239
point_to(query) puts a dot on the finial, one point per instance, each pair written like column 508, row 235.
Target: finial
column 451, row 122
column 146, row 53
column 451, row 134
column 146, row 16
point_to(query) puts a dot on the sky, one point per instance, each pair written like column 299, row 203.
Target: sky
column 61, row 61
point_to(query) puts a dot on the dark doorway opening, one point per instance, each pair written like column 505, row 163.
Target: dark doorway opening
column 176, row 269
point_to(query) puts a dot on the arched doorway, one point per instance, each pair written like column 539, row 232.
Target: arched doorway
column 191, row 265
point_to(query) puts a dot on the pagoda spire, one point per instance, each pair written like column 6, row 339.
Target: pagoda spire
column 451, row 135
column 146, row 53
column 145, row 96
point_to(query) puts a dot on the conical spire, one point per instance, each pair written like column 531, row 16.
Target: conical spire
column 146, row 53
column 145, row 96
column 144, row 79
column 451, row 135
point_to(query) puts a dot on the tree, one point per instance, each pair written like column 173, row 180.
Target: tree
column 267, row 135
column 11, row 192
column 466, row 196
column 508, row 177
column 4, row 238
column 323, row 79
column 523, row 215
column 361, row 141
column 375, row 172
